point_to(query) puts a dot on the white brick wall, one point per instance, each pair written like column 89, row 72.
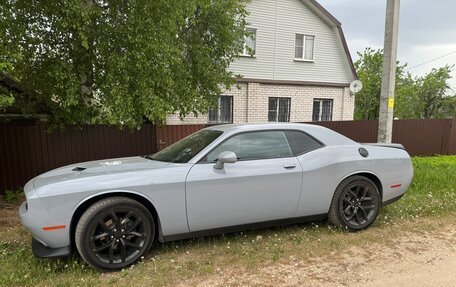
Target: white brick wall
column 250, row 103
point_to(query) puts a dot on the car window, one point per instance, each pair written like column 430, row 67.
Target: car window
column 301, row 143
column 255, row 145
column 185, row 149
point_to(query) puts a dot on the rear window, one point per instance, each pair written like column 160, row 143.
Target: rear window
column 301, row 143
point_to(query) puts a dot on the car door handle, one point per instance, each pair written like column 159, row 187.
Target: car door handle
column 289, row 166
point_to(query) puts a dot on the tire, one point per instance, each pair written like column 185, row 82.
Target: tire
column 355, row 204
column 114, row 232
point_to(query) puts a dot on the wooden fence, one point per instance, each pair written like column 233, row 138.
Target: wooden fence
column 27, row 150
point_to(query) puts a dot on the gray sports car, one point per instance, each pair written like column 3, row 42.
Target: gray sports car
column 219, row 179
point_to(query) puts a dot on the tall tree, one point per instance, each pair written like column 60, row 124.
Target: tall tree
column 432, row 91
column 120, row 61
column 369, row 69
column 428, row 96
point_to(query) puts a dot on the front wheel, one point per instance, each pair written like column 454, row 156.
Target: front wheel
column 114, row 232
column 355, row 203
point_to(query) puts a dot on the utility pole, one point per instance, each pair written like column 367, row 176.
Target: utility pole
column 385, row 123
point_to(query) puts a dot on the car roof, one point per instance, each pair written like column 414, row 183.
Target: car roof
column 325, row 135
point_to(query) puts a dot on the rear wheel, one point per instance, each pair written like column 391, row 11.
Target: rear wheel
column 114, row 232
column 355, row 203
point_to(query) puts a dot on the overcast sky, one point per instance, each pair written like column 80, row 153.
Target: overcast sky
column 427, row 29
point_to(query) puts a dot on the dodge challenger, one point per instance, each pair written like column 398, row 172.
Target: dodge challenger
column 219, row 179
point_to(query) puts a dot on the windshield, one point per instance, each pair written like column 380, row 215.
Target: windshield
column 185, row 149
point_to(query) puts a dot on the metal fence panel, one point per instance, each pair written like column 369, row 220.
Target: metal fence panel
column 27, row 150
column 167, row 135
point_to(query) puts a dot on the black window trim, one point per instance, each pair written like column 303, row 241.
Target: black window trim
column 203, row 159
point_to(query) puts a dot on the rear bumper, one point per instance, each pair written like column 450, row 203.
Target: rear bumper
column 385, row 203
column 41, row 251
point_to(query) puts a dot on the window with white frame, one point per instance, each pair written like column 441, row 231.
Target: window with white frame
column 279, row 110
column 250, row 42
column 322, row 110
column 304, row 47
column 223, row 114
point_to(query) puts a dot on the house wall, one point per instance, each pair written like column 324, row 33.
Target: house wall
column 302, row 97
column 273, row 72
column 239, row 93
column 250, row 103
column 277, row 22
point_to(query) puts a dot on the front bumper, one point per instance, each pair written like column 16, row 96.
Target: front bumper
column 46, row 242
column 54, row 243
column 42, row 251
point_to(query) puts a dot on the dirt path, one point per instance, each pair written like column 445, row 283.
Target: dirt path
column 424, row 259
column 421, row 256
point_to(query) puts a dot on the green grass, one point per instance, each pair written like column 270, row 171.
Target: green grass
column 430, row 201
column 432, row 191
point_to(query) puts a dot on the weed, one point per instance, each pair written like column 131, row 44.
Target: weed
column 13, row 196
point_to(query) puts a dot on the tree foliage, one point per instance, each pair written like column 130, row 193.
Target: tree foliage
column 369, row 69
column 120, row 62
column 426, row 97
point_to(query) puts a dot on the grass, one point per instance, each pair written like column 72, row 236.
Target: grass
column 430, row 202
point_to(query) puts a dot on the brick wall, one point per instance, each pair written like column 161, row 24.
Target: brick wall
column 250, row 103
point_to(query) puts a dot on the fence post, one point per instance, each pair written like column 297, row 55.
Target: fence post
column 452, row 138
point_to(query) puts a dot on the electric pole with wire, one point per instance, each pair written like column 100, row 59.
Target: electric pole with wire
column 385, row 123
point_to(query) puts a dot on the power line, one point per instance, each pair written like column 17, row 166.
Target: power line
column 435, row 59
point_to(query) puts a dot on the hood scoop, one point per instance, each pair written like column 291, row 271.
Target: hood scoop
column 78, row 169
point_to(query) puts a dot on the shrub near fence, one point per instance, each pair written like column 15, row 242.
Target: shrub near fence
column 27, row 150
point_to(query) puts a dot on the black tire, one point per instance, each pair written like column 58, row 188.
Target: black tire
column 114, row 233
column 355, row 204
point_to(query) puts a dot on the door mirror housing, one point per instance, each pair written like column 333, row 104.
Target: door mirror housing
column 225, row 157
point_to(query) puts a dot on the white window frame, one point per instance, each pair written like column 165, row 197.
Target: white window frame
column 219, row 111
column 276, row 120
column 320, row 112
column 304, row 48
column 245, row 52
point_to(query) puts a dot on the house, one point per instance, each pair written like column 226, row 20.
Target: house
column 296, row 67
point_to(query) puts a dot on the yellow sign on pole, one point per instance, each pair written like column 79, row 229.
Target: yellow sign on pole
column 391, row 103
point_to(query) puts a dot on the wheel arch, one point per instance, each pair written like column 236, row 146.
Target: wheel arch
column 369, row 175
column 84, row 205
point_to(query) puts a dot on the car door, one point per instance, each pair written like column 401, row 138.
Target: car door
column 264, row 184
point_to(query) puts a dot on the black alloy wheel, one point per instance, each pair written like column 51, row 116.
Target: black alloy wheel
column 355, row 204
column 114, row 233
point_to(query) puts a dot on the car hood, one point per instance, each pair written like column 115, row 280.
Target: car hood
column 98, row 167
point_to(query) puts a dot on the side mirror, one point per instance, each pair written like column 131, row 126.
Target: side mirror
column 225, row 157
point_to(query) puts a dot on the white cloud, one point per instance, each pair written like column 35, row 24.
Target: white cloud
column 426, row 31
